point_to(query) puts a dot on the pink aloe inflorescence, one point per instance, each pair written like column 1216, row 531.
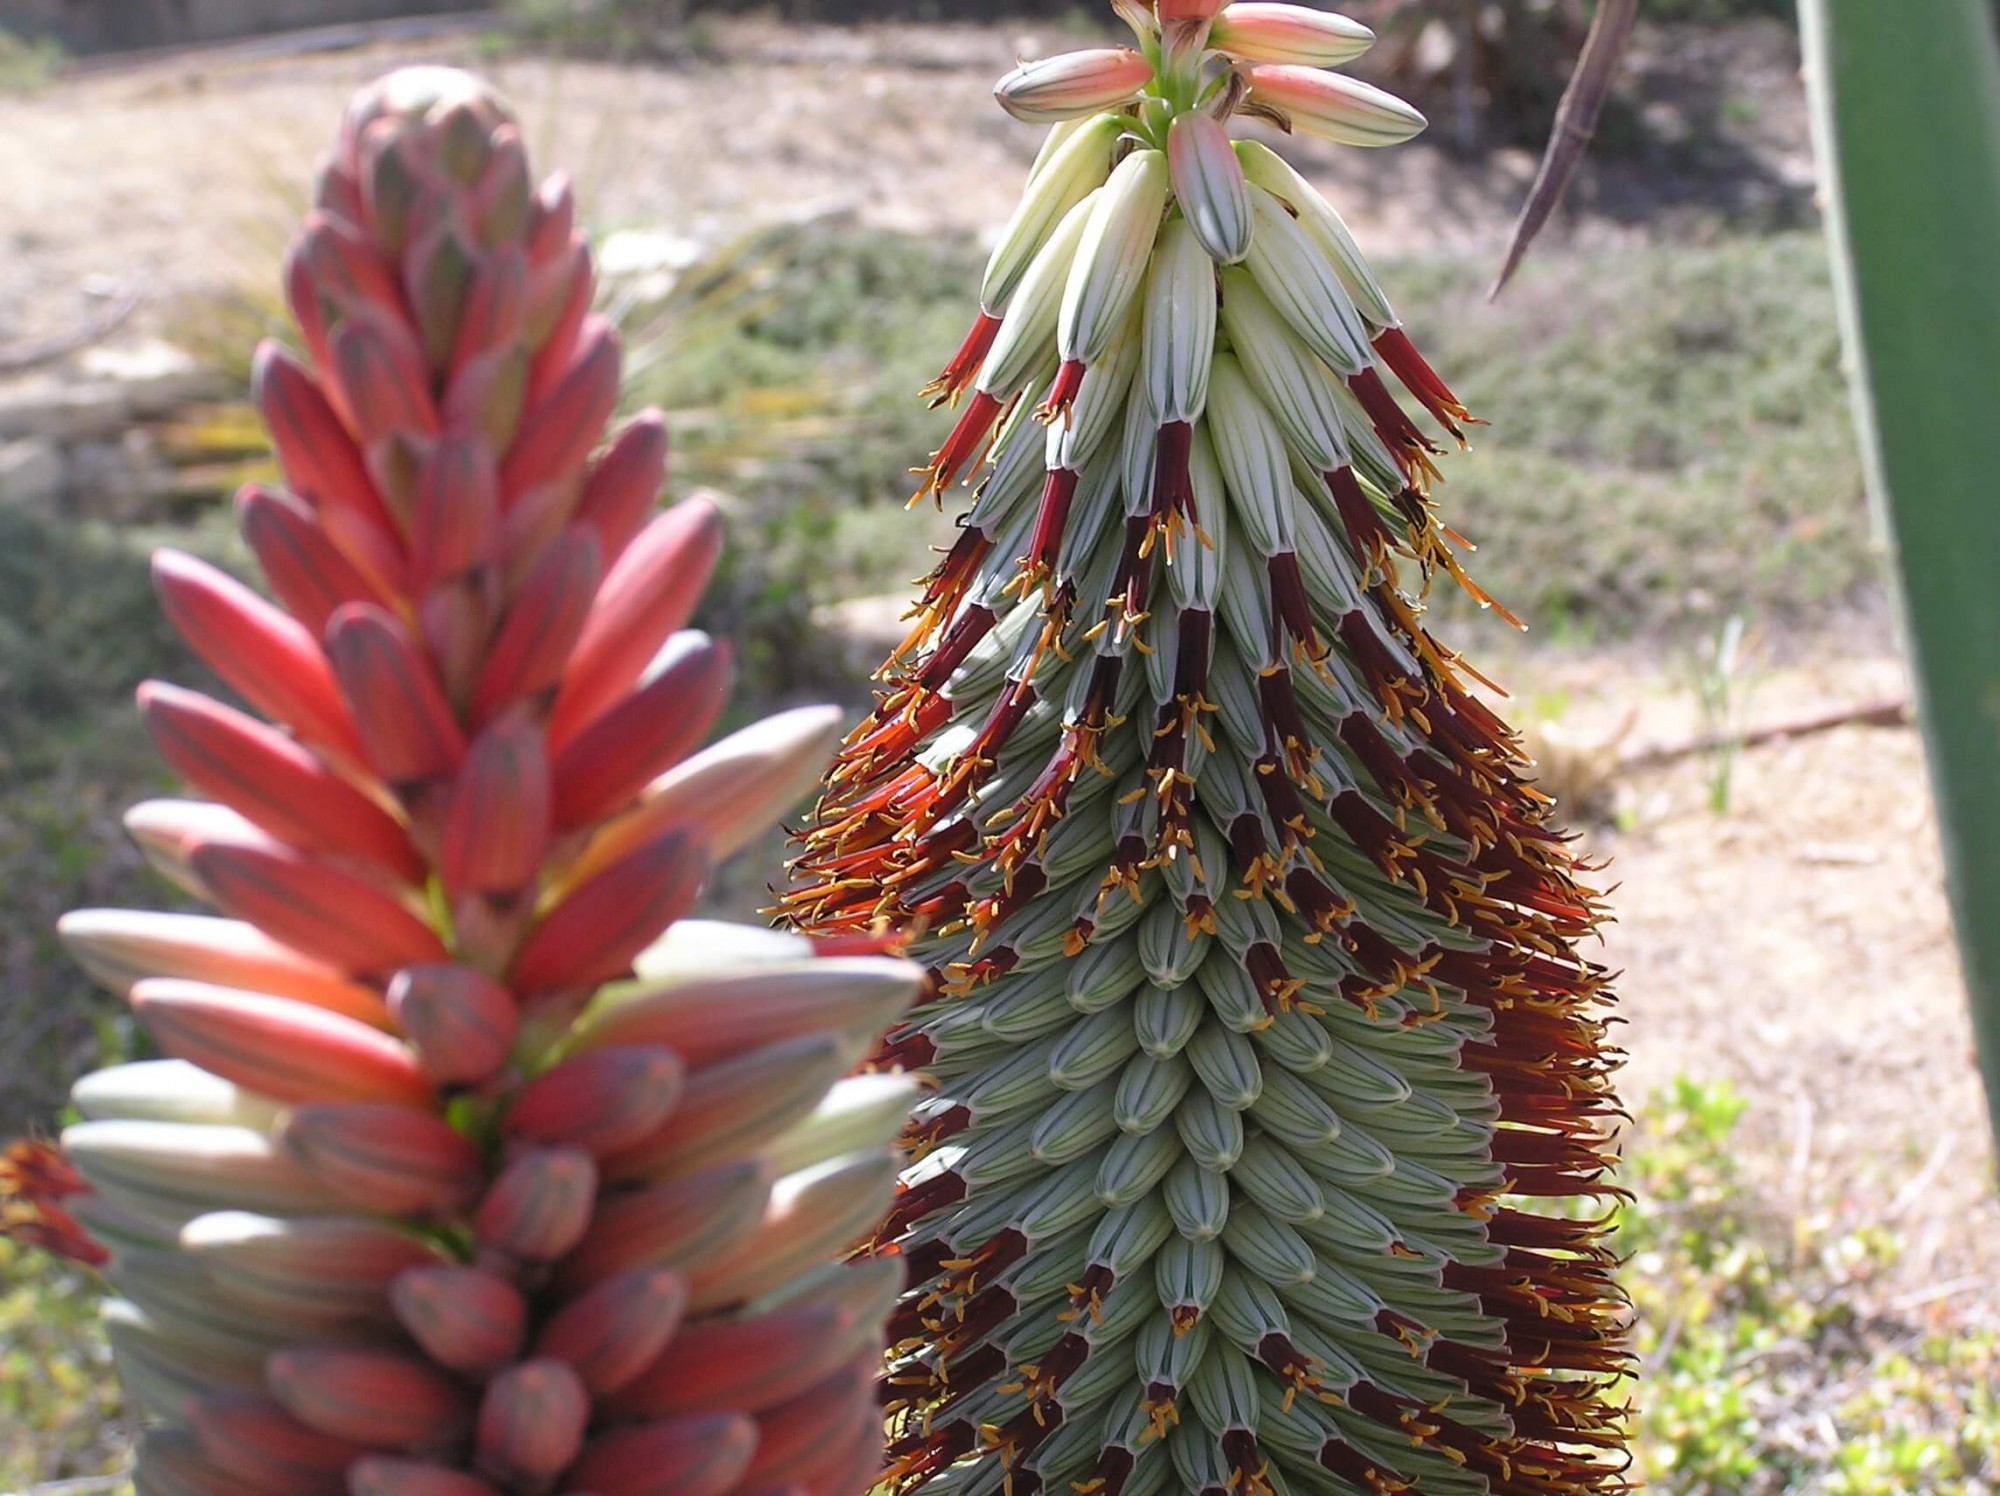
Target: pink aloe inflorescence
column 474, row 1166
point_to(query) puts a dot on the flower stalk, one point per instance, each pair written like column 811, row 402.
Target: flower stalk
column 1269, row 1090
column 474, row 1166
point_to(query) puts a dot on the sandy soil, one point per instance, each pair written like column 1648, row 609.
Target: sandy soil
column 1800, row 947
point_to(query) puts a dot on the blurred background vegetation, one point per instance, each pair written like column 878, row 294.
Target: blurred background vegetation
column 1670, row 449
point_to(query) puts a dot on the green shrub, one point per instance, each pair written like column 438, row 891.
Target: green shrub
column 60, row 1406
column 79, row 628
column 1766, row 1365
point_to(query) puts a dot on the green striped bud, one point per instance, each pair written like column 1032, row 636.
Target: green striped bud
column 1293, row 384
column 1073, row 170
column 1028, row 331
column 1110, row 262
column 1265, row 168
column 1135, row 1164
column 1075, row 1125
column 1208, row 184
column 1270, row 1249
column 1304, row 288
column 1275, row 1180
column 1165, row 1018
column 1227, row 1065
column 1148, row 1091
column 1251, row 453
column 1224, row 1394
column 1179, row 327
column 1213, row 1137
column 1189, row 1272
column 1091, row 1050
column 1129, row 1237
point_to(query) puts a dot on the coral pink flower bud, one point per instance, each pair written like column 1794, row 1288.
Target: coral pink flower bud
column 541, row 1204
column 497, row 827
column 460, row 1022
column 531, row 1423
column 384, row 1399
column 393, row 692
column 271, row 780
column 1333, row 106
column 381, row 1157
column 594, row 933
column 464, row 1318
column 1258, row 32
column 305, row 565
column 601, row 1100
column 376, row 1476
column 616, row 1330
column 1073, row 85
column 701, row 1456
column 253, row 1438
column 281, row 1049
column 265, row 656
column 312, row 904
column 646, row 596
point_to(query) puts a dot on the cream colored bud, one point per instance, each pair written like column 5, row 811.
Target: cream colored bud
column 1070, row 173
column 1264, row 167
column 1304, row 288
column 1179, row 326
column 1250, row 449
column 1024, row 339
column 1111, row 260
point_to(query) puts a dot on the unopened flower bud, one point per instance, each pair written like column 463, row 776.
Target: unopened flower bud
column 1073, row 84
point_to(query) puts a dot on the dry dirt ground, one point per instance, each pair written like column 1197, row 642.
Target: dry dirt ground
column 1798, row 945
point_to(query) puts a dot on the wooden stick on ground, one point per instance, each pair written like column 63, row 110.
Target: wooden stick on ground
column 33, row 355
column 1888, row 712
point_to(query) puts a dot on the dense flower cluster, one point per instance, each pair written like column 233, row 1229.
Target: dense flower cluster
column 474, row 1167
column 1259, row 1037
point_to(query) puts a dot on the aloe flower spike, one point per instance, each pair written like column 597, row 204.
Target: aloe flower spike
column 1258, row 1036
column 472, row 1167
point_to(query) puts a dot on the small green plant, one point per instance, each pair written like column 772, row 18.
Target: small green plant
column 61, row 1411
column 1721, row 689
column 1764, row 1367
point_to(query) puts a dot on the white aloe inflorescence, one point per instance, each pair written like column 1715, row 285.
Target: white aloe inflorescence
column 473, row 1166
column 1256, row 1024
